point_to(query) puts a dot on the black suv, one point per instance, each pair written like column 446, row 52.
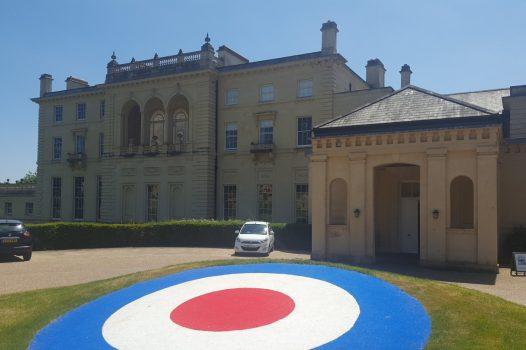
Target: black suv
column 15, row 239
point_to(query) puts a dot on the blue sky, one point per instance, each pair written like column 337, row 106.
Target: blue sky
column 451, row 45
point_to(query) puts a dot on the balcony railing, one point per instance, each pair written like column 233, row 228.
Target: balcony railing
column 158, row 65
column 129, row 151
column 77, row 159
column 261, row 147
column 176, row 149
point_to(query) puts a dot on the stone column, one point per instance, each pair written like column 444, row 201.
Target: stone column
column 357, row 193
column 487, row 201
column 436, row 200
column 144, row 141
column 318, row 189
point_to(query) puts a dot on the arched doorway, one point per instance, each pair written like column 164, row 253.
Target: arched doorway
column 397, row 209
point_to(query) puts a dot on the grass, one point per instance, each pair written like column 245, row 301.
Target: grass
column 461, row 318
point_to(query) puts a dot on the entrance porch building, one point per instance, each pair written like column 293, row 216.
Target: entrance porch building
column 423, row 183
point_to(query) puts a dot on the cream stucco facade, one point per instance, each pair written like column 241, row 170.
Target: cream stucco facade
column 209, row 134
column 151, row 142
column 447, row 190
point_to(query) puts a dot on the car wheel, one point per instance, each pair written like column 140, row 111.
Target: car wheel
column 27, row 256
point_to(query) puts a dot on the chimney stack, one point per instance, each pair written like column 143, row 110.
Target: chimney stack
column 46, row 84
column 375, row 73
column 328, row 30
column 405, row 76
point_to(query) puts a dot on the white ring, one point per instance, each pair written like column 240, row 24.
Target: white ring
column 322, row 313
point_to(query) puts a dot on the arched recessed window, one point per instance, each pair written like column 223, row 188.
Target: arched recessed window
column 338, row 202
column 157, row 129
column 180, row 128
column 131, row 124
column 462, row 203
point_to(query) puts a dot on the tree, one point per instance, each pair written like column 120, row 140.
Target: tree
column 29, row 178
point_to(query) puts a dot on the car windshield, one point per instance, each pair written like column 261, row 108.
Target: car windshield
column 254, row 229
column 10, row 227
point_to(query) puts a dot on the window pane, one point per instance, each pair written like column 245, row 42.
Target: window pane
column 232, row 96
column 58, row 113
column 99, row 197
column 81, row 111
column 266, row 132
column 266, row 93
column 152, row 205
column 8, row 209
column 57, row 148
column 102, row 109
column 229, row 202
column 29, row 208
column 265, row 202
column 80, row 143
column 56, row 197
column 79, row 197
column 231, row 136
column 302, row 203
column 304, row 131
column 305, row 88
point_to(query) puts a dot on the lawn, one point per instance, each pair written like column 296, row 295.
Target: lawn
column 461, row 318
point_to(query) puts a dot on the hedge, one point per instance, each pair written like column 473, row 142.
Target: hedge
column 183, row 233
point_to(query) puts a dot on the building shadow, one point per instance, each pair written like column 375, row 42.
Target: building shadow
column 4, row 258
column 407, row 265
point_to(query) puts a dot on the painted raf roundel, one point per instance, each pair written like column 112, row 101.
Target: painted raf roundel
column 253, row 306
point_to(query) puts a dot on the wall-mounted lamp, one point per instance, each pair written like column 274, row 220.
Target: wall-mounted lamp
column 356, row 212
column 436, row 213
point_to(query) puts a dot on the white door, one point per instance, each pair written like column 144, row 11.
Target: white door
column 408, row 227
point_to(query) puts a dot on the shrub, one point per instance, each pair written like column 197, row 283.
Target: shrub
column 189, row 233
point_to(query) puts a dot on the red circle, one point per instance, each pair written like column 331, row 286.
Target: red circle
column 233, row 309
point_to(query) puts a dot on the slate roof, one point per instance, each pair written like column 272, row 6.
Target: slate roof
column 489, row 99
column 255, row 64
column 410, row 104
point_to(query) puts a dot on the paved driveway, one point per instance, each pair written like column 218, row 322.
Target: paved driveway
column 68, row 267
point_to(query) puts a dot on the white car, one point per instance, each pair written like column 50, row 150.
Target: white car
column 255, row 237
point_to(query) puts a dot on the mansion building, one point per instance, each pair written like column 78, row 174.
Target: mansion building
column 209, row 134
column 203, row 134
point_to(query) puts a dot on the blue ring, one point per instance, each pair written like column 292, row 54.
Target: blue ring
column 389, row 318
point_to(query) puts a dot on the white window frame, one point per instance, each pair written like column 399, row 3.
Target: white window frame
column 56, row 197
column 300, row 133
column 229, row 201
column 232, row 97
column 79, row 115
column 305, row 92
column 298, row 200
column 102, row 109
column 79, row 149
column 55, row 153
column 266, row 96
column 8, row 209
column 79, row 195
column 152, row 202
column 57, row 108
column 31, row 206
column 231, row 136
column 264, row 131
